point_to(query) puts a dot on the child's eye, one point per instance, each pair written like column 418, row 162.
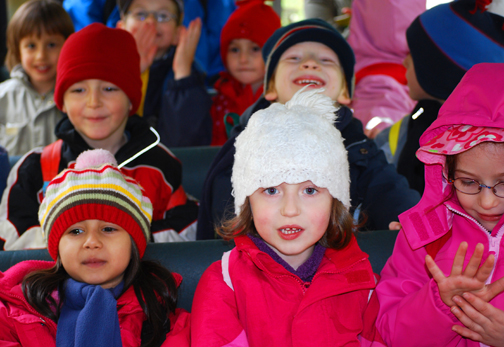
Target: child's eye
column 77, row 90
column 75, row 231
column 256, row 49
column 109, row 229
column 271, row 191
column 310, row 191
column 234, row 49
column 30, row 45
column 51, row 44
column 110, row 89
column 467, row 182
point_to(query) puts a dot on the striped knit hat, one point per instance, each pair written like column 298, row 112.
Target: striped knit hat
column 95, row 189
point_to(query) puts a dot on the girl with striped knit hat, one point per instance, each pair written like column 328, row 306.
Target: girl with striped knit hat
column 99, row 291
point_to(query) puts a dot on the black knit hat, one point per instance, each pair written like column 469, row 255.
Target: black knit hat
column 449, row 39
column 314, row 30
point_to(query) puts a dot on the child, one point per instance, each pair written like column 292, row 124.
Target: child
column 174, row 98
column 444, row 43
column 313, row 52
column 242, row 38
column 296, row 276
column 425, row 297
column 100, row 292
column 99, row 87
column 28, row 114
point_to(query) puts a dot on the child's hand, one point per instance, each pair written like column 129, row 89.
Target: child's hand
column 472, row 279
column 144, row 36
column 483, row 322
column 394, row 226
column 186, row 48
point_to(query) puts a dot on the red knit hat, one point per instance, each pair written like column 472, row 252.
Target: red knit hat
column 253, row 20
column 99, row 52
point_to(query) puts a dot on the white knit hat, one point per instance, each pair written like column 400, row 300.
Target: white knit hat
column 292, row 143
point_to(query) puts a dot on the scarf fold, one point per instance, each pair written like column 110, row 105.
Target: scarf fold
column 89, row 316
column 306, row 271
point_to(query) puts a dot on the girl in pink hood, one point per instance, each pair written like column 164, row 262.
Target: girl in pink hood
column 443, row 284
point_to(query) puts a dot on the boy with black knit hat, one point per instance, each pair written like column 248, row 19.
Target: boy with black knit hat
column 312, row 52
column 444, row 43
column 174, row 98
column 98, row 85
column 242, row 38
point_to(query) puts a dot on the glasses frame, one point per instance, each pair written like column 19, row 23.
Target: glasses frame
column 155, row 14
column 480, row 186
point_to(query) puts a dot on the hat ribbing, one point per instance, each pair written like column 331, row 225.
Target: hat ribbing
column 102, row 193
column 292, row 143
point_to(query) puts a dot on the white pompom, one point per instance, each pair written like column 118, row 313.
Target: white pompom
column 95, row 158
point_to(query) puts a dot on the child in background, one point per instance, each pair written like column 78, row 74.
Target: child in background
column 99, row 87
column 242, row 38
column 28, row 115
column 443, row 284
column 100, row 292
column 174, row 98
column 311, row 52
column 444, row 43
column 296, row 276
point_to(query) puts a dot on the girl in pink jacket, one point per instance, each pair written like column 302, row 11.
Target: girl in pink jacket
column 443, row 284
column 99, row 291
column 296, row 276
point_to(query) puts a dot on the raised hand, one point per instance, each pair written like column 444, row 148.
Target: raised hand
column 482, row 321
column 145, row 35
column 186, row 48
column 471, row 279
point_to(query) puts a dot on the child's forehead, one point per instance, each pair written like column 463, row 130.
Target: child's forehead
column 243, row 41
column 154, row 4
column 311, row 47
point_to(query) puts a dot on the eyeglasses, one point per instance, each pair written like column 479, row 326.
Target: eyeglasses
column 472, row 187
column 159, row 16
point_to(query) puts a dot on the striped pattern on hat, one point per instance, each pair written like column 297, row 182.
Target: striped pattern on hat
column 102, row 193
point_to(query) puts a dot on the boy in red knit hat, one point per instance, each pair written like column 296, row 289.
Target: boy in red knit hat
column 242, row 38
column 98, row 85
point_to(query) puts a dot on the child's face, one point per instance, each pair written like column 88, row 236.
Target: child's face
column 245, row 62
column 98, row 110
column 484, row 164
column 95, row 252
column 291, row 218
column 39, row 58
column 309, row 63
column 166, row 32
column 416, row 92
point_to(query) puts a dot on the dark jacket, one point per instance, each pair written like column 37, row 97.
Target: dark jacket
column 178, row 109
column 408, row 164
column 376, row 189
column 157, row 170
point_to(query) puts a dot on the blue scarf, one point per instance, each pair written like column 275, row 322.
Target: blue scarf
column 89, row 316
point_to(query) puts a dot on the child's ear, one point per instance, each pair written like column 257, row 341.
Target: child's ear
column 271, row 95
column 120, row 24
column 64, row 109
column 344, row 98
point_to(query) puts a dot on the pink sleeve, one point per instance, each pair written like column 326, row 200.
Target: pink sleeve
column 410, row 306
column 214, row 316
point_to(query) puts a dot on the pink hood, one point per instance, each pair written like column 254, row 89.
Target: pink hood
column 478, row 100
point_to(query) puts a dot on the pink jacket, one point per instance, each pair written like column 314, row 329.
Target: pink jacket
column 411, row 310
column 378, row 36
column 21, row 325
column 248, row 299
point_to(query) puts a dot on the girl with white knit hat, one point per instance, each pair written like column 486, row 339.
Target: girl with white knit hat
column 296, row 276
column 98, row 291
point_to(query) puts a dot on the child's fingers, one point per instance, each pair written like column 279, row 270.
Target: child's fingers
column 458, row 261
column 486, row 269
column 474, row 263
column 467, row 333
column 435, row 271
column 494, row 289
column 474, row 310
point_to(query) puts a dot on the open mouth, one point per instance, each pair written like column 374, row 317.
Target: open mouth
column 309, row 81
column 288, row 231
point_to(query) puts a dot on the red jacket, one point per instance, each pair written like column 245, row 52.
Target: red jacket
column 231, row 96
column 22, row 325
column 248, row 299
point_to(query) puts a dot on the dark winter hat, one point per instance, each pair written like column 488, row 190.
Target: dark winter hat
column 253, row 20
column 449, row 39
column 98, row 52
column 314, row 30
column 124, row 6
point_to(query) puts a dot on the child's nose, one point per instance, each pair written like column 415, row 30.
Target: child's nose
column 92, row 240
column 94, row 99
column 243, row 56
column 310, row 63
column 488, row 199
column 290, row 206
column 41, row 53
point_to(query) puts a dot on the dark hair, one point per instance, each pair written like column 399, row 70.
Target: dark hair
column 124, row 6
column 35, row 17
column 337, row 236
column 155, row 289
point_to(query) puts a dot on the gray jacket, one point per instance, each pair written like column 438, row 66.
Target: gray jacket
column 27, row 119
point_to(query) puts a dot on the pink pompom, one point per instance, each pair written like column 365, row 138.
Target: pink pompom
column 95, row 158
